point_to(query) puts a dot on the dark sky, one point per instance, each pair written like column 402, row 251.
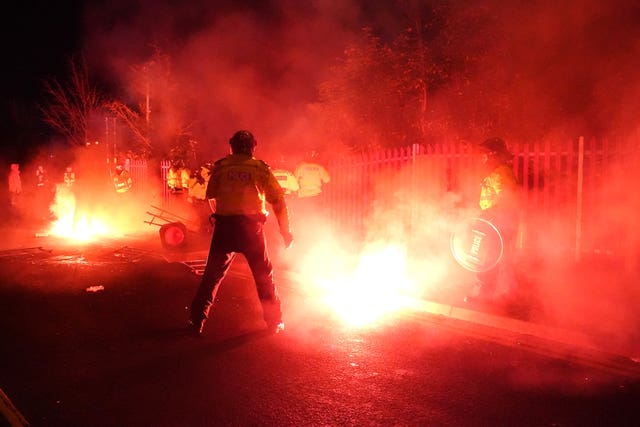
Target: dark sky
column 579, row 58
column 37, row 37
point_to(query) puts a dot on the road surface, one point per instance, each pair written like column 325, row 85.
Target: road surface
column 120, row 356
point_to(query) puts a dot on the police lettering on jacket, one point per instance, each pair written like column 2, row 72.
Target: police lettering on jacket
column 287, row 180
column 240, row 185
column 239, row 175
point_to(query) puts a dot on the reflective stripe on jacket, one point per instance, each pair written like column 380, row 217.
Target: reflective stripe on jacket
column 122, row 182
column 498, row 188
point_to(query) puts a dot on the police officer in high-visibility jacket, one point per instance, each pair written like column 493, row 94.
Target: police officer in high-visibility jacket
column 238, row 187
column 175, row 177
column 499, row 184
column 174, row 181
column 287, row 181
column 122, row 179
column 198, row 184
column 69, row 177
column 499, row 204
column 197, row 196
column 311, row 175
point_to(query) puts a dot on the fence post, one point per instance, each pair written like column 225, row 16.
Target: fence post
column 165, row 165
column 415, row 150
column 579, row 198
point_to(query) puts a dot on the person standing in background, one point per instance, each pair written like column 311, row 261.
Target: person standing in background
column 44, row 194
column 174, row 177
column 15, row 184
column 122, row 179
column 309, row 208
column 286, row 178
column 69, row 177
column 311, row 175
column 499, row 203
column 41, row 178
column 197, row 197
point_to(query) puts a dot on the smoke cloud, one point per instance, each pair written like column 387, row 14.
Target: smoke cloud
column 543, row 71
column 232, row 65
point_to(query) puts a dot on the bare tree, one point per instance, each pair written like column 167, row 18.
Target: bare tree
column 71, row 104
column 137, row 124
column 167, row 131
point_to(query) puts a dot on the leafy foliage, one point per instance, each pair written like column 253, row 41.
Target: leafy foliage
column 401, row 92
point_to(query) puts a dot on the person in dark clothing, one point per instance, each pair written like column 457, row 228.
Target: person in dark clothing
column 499, row 204
column 238, row 188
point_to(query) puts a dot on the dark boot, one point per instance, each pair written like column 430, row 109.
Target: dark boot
column 196, row 326
column 272, row 316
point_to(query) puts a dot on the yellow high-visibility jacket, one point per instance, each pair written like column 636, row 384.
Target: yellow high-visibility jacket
column 69, row 178
column 287, row 180
column 198, row 185
column 184, row 177
column 310, row 178
column 174, row 178
column 498, row 188
column 241, row 184
column 122, row 181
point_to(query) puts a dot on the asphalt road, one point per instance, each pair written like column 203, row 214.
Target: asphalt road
column 122, row 357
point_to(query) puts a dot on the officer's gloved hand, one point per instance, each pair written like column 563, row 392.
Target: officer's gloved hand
column 288, row 239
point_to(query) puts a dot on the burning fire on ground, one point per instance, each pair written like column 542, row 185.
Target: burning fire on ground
column 70, row 223
column 378, row 286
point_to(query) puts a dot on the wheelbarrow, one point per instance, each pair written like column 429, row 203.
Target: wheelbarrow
column 174, row 229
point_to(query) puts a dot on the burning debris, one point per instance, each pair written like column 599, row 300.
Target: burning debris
column 73, row 224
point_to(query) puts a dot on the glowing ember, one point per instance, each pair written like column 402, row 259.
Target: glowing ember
column 377, row 288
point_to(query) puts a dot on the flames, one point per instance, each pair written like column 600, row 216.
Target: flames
column 374, row 284
column 376, row 287
column 72, row 224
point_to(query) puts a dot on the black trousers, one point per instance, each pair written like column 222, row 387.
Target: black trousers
column 232, row 235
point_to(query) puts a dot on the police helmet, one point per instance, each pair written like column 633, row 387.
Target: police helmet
column 496, row 146
column 243, row 142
